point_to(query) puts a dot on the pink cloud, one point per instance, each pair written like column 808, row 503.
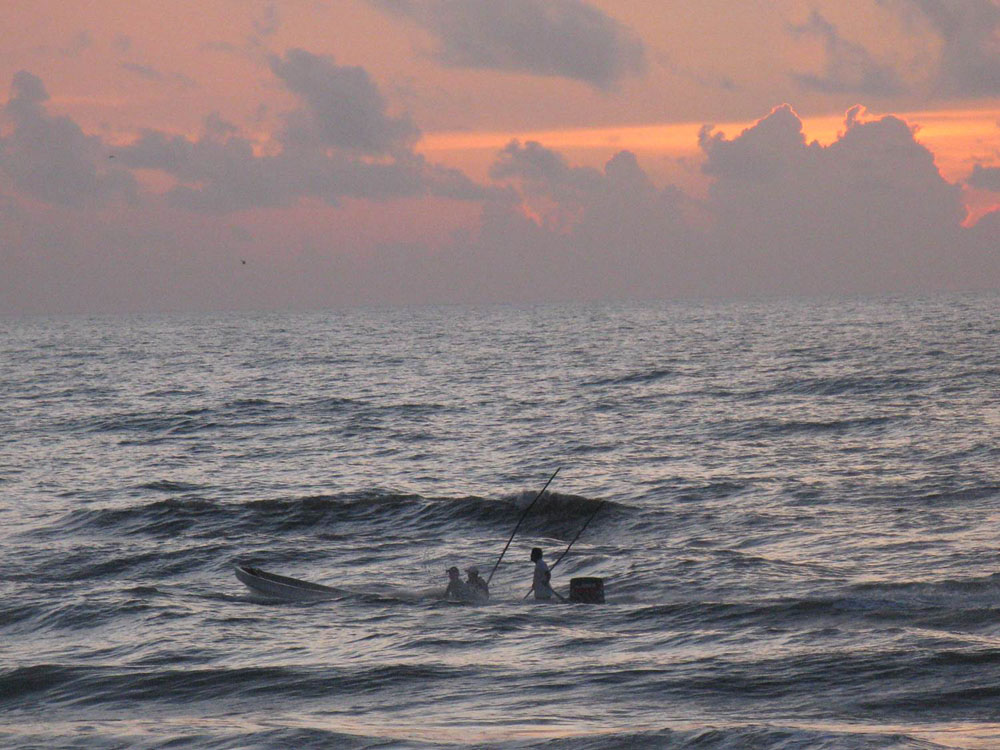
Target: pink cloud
column 867, row 213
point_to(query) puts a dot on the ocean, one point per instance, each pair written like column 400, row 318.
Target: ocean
column 793, row 504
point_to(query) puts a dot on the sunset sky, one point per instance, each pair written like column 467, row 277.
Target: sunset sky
column 234, row 154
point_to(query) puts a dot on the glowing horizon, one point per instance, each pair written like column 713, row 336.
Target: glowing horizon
column 152, row 147
column 941, row 131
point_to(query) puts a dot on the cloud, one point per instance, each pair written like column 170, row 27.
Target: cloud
column 850, row 68
column 761, row 153
column 79, row 44
column 564, row 38
column 534, row 164
column 221, row 172
column 986, row 252
column 578, row 232
column 152, row 74
column 969, row 64
column 340, row 143
column 541, row 171
column 215, row 174
column 985, row 178
column 705, row 78
column 343, row 107
column 869, row 212
column 268, row 22
column 143, row 71
column 50, row 157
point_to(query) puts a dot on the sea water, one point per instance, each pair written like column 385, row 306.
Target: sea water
column 798, row 537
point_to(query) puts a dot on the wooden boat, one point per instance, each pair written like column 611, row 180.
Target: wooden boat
column 283, row 587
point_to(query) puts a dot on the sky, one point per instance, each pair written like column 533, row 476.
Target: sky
column 303, row 154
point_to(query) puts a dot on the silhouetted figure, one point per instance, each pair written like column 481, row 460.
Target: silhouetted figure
column 456, row 589
column 541, row 580
column 476, row 586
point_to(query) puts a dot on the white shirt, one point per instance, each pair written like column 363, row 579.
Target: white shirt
column 540, row 582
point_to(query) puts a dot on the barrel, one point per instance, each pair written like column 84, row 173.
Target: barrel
column 586, row 590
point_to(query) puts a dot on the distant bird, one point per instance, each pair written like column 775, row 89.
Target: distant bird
column 243, row 262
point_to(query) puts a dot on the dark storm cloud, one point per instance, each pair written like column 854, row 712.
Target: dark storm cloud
column 850, row 68
column 564, row 38
column 50, row 157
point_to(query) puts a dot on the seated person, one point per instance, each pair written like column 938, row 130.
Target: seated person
column 456, row 590
column 477, row 587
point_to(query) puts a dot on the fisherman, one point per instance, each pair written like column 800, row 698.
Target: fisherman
column 456, row 588
column 541, row 581
column 476, row 586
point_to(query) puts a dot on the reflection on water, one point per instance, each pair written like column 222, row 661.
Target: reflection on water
column 798, row 545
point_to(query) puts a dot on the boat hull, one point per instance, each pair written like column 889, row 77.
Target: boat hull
column 282, row 587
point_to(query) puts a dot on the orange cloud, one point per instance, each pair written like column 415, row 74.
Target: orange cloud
column 957, row 138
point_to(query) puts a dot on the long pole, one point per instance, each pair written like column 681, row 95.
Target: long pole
column 592, row 516
column 523, row 516
column 578, row 535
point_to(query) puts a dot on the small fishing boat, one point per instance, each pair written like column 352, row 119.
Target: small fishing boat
column 282, row 587
column 586, row 590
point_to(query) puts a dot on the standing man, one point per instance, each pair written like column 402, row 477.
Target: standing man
column 541, row 581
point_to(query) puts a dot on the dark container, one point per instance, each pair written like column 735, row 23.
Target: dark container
column 586, row 590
